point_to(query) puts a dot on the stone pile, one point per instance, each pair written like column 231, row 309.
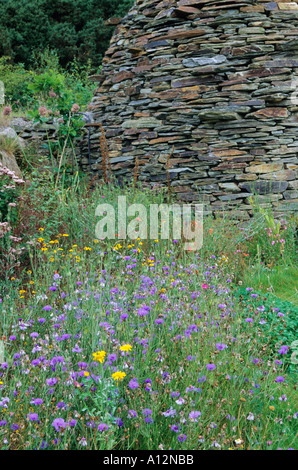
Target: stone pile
column 213, row 83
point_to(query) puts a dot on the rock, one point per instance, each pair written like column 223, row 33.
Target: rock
column 141, row 123
column 197, row 61
column 265, row 187
column 8, row 159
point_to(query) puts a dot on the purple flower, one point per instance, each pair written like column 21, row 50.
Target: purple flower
column 51, row 381
column 148, row 419
column 170, row 412
column 202, row 379
column 180, row 401
column 279, row 378
column 103, row 427
column 36, row 401
column 210, row 366
column 143, row 311
column 283, row 350
column 221, row 346
column 147, row 412
column 112, row 357
column 47, row 308
column 33, row 417
column 249, row 320
column 174, row 428
column 59, row 423
column 133, row 384
column 193, row 415
column 181, row 437
column 34, row 335
column 132, row 414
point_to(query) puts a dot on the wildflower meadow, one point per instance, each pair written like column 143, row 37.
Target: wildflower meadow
column 140, row 344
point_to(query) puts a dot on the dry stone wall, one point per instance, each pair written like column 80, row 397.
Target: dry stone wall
column 213, row 82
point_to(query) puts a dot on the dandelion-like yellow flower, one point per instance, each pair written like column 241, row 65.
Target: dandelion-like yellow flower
column 99, row 356
column 126, row 347
column 118, row 376
column 86, row 374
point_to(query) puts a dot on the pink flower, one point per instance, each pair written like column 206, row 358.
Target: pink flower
column 7, row 110
column 204, row 286
column 43, row 111
column 52, row 94
column 75, row 108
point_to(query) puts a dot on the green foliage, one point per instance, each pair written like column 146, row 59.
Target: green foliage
column 16, row 80
column 74, row 28
column 274, row 310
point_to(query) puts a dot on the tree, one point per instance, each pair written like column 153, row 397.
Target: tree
column 74, row 28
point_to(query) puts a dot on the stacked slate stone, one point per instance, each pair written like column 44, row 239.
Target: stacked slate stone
column 211, row 82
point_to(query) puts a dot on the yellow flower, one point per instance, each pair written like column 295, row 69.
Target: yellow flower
column 12, row 278
column 86, row 374
column 40, row 239
column 65, row 235
column 271, row 408
column 87, row 248
column 41, row 229
column 118, row 376
column 99, row 356
column 126, row 347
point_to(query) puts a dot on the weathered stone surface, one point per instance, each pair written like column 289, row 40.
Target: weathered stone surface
column 141, row 123
column 264, row 168
column 265, row 187
column 208, row 82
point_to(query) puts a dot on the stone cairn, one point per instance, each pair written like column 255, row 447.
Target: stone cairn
column 213, row 84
